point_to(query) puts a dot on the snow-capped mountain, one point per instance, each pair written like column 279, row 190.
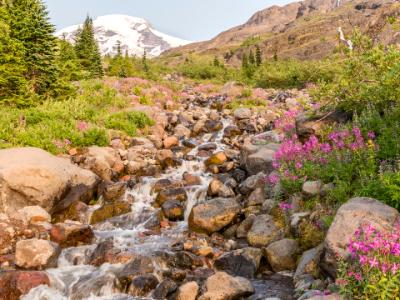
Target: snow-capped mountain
column 135, row 34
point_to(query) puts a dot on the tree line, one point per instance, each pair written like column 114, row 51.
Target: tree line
column 34, row 64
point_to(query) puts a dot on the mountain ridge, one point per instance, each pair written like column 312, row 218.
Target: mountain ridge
column 307, row 29
column 136, row 35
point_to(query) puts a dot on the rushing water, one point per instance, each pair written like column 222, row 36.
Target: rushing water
column 127, row 233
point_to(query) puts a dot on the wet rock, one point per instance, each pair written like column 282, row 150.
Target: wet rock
column 108, row 211
column 217, row 188
column 187, row 260
column 112, row 191
column 98, row 256
column 232, row 131
column 33, row 214
column 71, row 234
column 161, row 185
column 208, row 147
column 264, row 231
column 173, row 210
column 14, row 284
column 164, row 289
column 274, row 287
column 190, row 143
column 33, row 177
column 80, row 193
column 36, row 254
column 281, row 255
column 170, row 142
column 191, row 180
column 242, row 113
column 77, row 211
column 350, row 216
column 326, row 297
column 309, row 263
column 188, row 291
column 93, row 285
column 142, row 285
column 216, row 159
column 213, row 215
column 213, row 126
column 242, row 262
column 222, row 286
column 178, row 194
column 312, row 188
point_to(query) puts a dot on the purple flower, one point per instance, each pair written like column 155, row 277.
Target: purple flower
column 371, row 135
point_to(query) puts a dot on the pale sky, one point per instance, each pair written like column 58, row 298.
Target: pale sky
column 193, row 20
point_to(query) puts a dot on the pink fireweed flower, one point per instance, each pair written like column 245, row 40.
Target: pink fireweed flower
column 371, row 135
column 394, row 268
column 285, row 206
column 82, row 126
column 373, row 262
column 273, row 179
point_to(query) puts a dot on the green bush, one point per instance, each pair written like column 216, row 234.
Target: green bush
column 371, row 76
column 128, row 122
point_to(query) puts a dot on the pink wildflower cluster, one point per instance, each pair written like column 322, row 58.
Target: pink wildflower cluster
column 374, row 249
column 82, row 126
column 287, row 122
column 292, row 156
column 285, row 206
column 375, row 259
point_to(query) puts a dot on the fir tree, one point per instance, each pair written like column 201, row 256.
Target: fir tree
column 144, row 62
column 29, row 24
column 87, row 50
column 119, row 50
column 216, row 62
column 252, row 60
column 13, row 84
column 245, row 61
column 68, row 62
column 258, row 56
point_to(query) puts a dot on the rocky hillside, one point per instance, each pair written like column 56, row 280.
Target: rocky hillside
column 136, row 35
column 304, row 30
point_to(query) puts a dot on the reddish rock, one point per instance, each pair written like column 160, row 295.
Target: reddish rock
column 14, row 284
column 71, row 234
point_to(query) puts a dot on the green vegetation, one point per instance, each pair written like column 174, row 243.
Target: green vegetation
column 84, row 120
column 88, row 52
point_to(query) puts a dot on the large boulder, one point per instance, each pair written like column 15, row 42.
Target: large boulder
column 15, row 284
column 282, row 255
column 103, row 161
column 350, row 216
column 31, row 176
column 213, row 215
column 264, row 231
column 258, row 158
column 222, row 286
column 36, row 254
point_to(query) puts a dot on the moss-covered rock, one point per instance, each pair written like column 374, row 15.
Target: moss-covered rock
column 109, row 210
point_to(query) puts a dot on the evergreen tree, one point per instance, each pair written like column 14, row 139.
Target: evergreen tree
column 245, row 61
column 258, row 56
column 87, row 50
column 29, row 24
column 119, row 50
column 68, row 62
column 252, row 60
column 13, row 85
column 144, row 62
column 216, row 62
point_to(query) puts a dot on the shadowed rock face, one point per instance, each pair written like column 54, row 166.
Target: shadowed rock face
column 295, row 30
